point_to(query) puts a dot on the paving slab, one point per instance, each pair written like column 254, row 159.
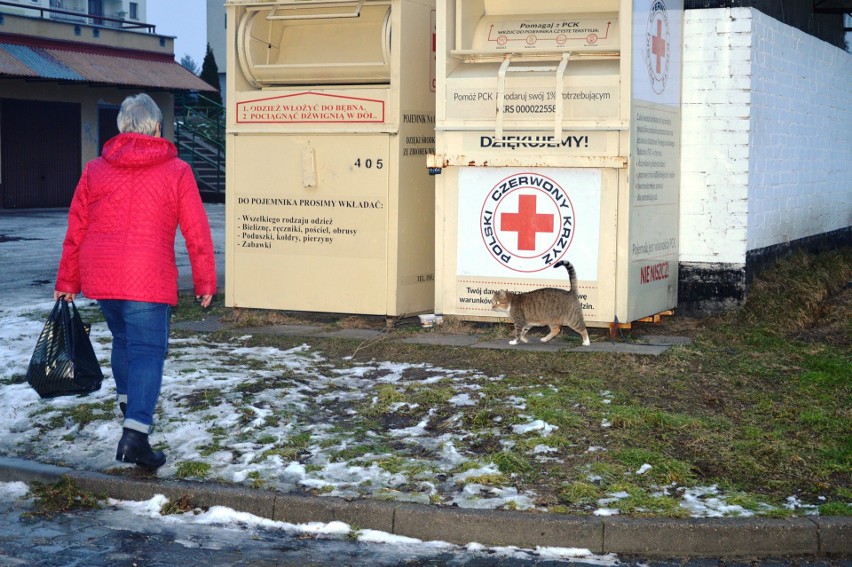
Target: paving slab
column 666, row 340
column 534, row 345
column 652, row 345
column 442, row 339
column 282, row 330
column 618, row 347
column 207, row 325
column 357, row 334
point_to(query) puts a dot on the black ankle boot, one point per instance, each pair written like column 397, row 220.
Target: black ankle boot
column 134, row 448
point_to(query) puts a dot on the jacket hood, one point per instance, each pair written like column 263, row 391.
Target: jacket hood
column 138, row 150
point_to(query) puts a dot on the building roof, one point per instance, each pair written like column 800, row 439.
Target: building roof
column 36, row 58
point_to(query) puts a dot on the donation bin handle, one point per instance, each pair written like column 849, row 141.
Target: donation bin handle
column 354, row 14
column 560, row 87
column 501, row 92
column 501, row 89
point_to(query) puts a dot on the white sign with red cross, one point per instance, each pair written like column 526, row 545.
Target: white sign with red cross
column 656, row 49
column 519, row 222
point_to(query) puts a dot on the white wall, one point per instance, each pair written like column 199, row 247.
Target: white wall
column 715, row 137
column 800, row 182
column 767, row 120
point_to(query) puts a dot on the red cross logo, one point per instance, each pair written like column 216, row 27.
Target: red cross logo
column 526, row 222
column 658, row 45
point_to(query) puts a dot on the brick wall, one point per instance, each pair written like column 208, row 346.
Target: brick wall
column 715, row 135
column 767, row 145
column 800, row 183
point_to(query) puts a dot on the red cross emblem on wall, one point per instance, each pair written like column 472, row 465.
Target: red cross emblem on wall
column 527, row 222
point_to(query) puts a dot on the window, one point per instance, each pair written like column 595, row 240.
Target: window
column 134, row 10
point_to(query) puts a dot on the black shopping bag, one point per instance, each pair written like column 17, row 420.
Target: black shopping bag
column 64, row 362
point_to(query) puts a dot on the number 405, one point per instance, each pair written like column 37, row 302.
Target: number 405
column 368, row 163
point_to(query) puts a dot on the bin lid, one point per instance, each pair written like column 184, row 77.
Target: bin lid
column 305, row 43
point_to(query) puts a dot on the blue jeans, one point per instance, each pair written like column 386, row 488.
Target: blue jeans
column 140, row 339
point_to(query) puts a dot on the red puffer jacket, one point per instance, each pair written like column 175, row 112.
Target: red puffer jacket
column 123, row 220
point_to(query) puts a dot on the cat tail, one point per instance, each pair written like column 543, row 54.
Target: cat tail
column 572, row 275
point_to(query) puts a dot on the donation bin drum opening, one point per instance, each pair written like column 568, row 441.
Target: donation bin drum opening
column 330, row 117
column 557, row 138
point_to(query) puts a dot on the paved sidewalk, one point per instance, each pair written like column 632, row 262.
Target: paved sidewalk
column 653, row 345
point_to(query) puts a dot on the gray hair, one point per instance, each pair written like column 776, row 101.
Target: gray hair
column 139, row 114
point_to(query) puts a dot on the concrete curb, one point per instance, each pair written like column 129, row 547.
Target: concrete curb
column 697, row 537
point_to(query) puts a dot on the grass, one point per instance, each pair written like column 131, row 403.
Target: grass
column 193, row 469
column 80, row 415
column 758, row 404
column 181, row 505
column 62, row 496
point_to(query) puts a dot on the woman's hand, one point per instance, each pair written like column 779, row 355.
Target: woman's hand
column 69, row 297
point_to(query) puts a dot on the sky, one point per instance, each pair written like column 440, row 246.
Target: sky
column 186, row 21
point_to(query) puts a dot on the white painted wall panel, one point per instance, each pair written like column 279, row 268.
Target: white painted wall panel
column 767, row 135
column 801, row 135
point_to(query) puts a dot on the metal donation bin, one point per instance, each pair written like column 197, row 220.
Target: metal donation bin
column 557, row 137
column 331, row 114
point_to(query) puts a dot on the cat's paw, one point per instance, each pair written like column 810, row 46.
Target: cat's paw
column 586, row 342
column 545, row 339
column 526, row 340
column 513, row 342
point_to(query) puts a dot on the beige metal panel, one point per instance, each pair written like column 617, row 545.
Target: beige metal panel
column 524, row 96
column 309, row 248
column 411, row 255
column 327, row 151
column 297, row 43
column 547, row 6
column 650, row 267
column 475, row 261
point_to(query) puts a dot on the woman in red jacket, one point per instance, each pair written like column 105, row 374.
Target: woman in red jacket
column 120, row 250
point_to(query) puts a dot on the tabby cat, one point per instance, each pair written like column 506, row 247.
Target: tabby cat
column 545, row 306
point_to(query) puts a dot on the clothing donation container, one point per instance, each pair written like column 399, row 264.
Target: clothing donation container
column 331, row 114
column 557, row 138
